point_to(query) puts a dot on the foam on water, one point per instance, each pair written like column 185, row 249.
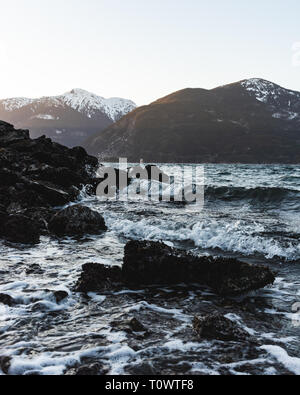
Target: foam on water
column 45, row 337
column 235, row 236
column 291, row 363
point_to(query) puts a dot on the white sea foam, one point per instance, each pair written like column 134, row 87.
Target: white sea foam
column 179, row 345
column 96, row 297
column 291, row 363
column 234, row 236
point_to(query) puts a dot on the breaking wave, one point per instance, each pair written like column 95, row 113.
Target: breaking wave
column 236, row 236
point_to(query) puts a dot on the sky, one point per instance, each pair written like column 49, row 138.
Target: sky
column 143, row 50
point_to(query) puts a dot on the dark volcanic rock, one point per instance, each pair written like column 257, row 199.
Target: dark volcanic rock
column 7, row 300
column 8, row 135
column 21, row 229
column 3, row 219
column 39, row 174
column 151, row 263
column 76, row 221
column 129, row 326
column 60, row 296
column 5, row 364
column 34, row 269
column 41, row 216
column 96, row 278
column 218, row 327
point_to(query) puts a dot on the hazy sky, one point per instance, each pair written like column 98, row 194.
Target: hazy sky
column 142, row 49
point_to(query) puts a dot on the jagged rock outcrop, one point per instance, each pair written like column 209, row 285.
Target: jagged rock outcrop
column 151, row 263
column 37, row 176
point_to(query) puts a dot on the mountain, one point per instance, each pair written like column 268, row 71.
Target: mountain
column 68, row 119
column 251, row 121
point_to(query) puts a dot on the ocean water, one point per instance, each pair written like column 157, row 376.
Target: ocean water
column 250, row 212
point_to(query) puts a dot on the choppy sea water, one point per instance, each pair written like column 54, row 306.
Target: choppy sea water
column 251, row 212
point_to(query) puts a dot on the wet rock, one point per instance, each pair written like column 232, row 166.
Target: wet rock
column 41, row 216
column 153, row 263
column 34, row 269
column 62, row 176
column 51, row 195
column 8, row 178
column 94, row 369
column 21, row 229
column 5, row 363
column 3, row 218
column 7, row 300
column 129, row 326
column 60, row 296
column 39, row 173
column 96, row 278
column 136, row 326
column 76, row 221
column 216, row 326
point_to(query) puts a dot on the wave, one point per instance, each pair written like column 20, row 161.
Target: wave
column 235, row 236
column 258, row 194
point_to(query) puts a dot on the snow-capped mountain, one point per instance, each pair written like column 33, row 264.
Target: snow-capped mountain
column 284, row 103
column 68, row 118
column 250, row 121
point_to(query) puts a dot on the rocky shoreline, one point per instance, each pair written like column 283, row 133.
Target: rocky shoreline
column 37, row 177
column 39, row 181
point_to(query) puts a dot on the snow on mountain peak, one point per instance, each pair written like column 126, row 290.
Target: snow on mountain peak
column 261, row 88
column 89, row 103
column 284, row 102
column 16, row 103
column 80, row 100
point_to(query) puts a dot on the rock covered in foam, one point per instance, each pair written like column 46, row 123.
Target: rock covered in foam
column 21, row 229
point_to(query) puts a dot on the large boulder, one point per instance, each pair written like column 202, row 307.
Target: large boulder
column 21, row 229
column 152, row 263
column 76, row 221
column 97, row 278
column 217, row 327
